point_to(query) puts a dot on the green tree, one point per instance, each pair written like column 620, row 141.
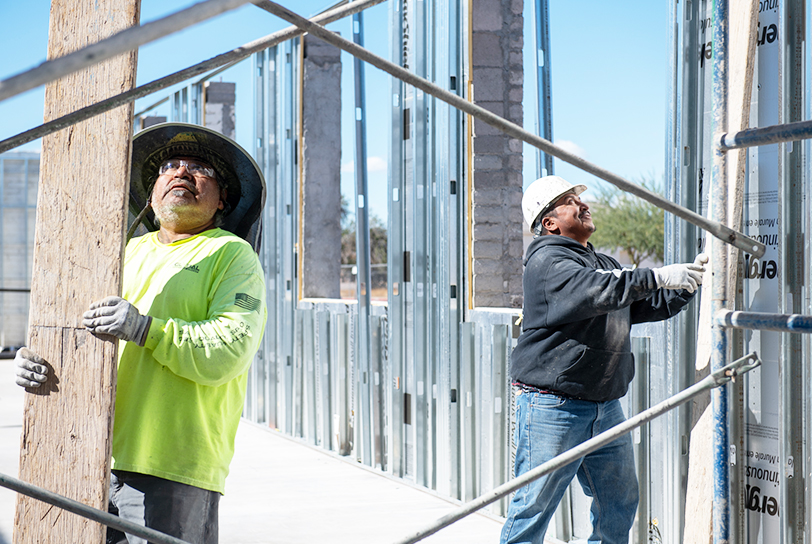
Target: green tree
column 630, row 224
column 377, row 241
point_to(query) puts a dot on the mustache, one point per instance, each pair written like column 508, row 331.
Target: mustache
column 181, row 183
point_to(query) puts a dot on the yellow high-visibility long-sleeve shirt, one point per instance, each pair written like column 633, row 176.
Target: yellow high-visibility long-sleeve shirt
column 180, row 397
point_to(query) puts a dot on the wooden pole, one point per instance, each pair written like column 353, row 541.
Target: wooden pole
column 81, row 219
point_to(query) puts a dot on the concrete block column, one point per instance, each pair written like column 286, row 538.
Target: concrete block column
column 498, row 78
column 220, row 99
column 321, row 174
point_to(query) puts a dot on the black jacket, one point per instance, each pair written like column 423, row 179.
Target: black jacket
column 579, row 307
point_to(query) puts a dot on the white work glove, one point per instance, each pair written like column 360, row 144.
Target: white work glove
column 31, row 370
column 117, row 317
column 686, row 276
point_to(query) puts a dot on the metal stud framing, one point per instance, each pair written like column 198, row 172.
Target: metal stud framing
column 414, row 395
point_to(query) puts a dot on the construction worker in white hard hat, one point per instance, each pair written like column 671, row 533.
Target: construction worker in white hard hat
column 189, row 320
column 573, row 361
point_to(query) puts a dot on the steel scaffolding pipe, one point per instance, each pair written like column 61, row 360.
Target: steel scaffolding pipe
column 764, row 321
column 231, row 57
column 86, row 511
column 712, row 381
column 119, row 43
column 719, row 287
column 716, row 228
column 776, row 134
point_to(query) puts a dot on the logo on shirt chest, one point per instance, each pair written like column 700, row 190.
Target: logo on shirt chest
column 191, row 268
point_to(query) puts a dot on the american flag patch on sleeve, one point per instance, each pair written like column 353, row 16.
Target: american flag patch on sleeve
column 246, row 301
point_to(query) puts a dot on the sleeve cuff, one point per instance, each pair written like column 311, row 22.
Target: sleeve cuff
column 155, row 333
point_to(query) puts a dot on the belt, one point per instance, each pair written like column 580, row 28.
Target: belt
column 533, row 389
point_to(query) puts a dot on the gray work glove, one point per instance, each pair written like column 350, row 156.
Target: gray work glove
column 686, row 276
column 31, row 369
column 117, row 317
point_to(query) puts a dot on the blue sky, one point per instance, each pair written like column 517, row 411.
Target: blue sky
column 609, row 63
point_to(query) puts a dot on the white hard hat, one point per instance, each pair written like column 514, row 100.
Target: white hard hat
column 543, row 193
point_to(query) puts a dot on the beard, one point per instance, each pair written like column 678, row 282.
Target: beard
column 166, row 213
column 178, row 213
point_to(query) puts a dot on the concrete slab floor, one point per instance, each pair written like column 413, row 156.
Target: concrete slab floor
column 281, row 491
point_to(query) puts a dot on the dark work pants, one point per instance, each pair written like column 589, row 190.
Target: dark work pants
column 183, row 511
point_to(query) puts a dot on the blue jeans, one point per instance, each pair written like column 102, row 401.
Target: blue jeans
column 548, row 425
column 183, row 511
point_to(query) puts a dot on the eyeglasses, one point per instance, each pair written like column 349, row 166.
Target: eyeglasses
column 195, row 168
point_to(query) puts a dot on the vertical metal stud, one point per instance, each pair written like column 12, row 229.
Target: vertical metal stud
column 342, row 408
column 324, row 358
column 379, row 405
column 420, row 249
column 287, row 136
column 308, row 349
column 470, row 483
column 500, row 393
column 641, row 347
column 297, row 390
column 363, row 277
column 544, row 90
column 396, row 291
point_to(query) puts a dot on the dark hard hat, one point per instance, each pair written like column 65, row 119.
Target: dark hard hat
column 236, row 171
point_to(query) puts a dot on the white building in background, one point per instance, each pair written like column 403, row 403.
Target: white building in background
column 19, row 179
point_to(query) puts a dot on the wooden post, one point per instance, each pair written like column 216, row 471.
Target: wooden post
column 81, row 219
